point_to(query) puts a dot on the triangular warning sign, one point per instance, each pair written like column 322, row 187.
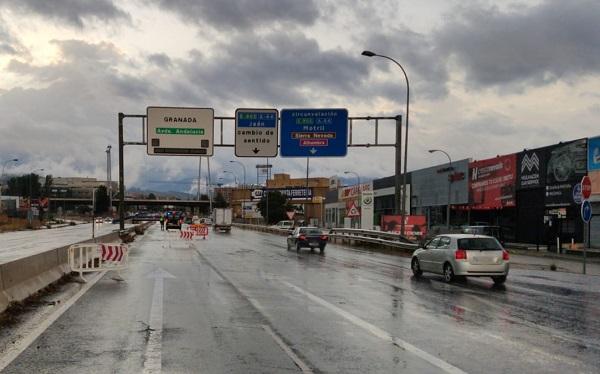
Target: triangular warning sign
column 353, row 211
column 290, row 215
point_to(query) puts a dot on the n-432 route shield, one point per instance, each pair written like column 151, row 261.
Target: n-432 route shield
column 314, row 132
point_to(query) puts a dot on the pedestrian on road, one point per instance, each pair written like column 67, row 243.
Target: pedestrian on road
column 167, row 224
column 180, row 224
column 162, row 223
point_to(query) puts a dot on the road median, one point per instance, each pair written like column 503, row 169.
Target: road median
column 23, row 277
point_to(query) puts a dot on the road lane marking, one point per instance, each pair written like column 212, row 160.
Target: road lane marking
column 153, row 355
column 21, row 345
column 384, row 335
column 288, row 351
column 286, row 348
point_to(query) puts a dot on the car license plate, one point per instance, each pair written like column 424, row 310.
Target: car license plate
column 314, row 244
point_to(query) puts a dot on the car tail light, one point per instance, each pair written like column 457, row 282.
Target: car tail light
column 460, row 254
column 505, row 255
column 302, row 237
column 324, row 237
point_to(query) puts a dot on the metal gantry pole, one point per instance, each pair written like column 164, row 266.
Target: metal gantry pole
column 121, row 176
column 398, row 172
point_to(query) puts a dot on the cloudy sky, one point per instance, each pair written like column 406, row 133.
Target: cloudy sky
column 487, row 77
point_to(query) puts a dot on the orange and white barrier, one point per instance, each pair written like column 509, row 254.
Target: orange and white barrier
column 89, row 257
column 186, row 235
column 200, row 230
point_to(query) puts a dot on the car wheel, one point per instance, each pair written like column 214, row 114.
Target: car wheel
column 499, row 280
column 416, row 267
column 322, row 249
column 298, row 247
column 448, row 273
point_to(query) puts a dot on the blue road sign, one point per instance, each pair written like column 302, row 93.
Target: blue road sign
column 314, row 132
column 577, row 194
column 586, row 211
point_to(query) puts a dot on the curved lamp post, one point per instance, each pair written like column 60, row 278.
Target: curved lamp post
column 403, row 202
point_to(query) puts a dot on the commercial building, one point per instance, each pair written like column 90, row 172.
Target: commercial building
column 78, row 187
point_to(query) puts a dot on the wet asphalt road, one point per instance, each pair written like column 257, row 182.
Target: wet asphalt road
column 242, row 303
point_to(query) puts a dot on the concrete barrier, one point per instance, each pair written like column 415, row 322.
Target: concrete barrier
column 22, row 278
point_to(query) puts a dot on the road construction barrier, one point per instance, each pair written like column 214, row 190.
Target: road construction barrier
column 89, row 257
column 187, row 235
column 200, row 230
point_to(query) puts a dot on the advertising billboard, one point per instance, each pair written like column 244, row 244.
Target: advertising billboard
column 430, row 185
column 292, row 193
column 492, row 182
column 594, row 166
column 531, row 168
column 415, row 227
column 567, row 164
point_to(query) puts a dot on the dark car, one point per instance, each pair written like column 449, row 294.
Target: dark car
column 307, row 237
column 173, row 220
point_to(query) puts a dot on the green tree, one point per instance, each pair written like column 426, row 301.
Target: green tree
column 102, row 200
column 19, row 186
column 151, row 196
column 276, row 208
column 47, row 185
column 220, row 201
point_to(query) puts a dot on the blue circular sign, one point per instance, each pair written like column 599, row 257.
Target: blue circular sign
column 586, row 211
column 577, row 198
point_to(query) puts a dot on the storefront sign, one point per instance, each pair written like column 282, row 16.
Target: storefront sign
column 492, row 182
column 531, row 168
column 415, row 226
column 567, row 164
column 367, row 203
column 594, row 166
column 292, row 193
column 351, row 192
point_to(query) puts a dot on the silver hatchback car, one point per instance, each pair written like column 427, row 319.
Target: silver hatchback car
column 461, row 255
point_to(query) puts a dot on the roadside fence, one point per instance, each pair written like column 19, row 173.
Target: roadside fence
column 90, row 257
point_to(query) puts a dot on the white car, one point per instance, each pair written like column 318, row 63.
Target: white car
column 462, row 255
column 284, row 225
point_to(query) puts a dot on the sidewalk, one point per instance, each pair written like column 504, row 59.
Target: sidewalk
column 543, row 260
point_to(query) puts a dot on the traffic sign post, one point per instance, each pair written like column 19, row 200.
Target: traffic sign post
column 586, row 213
column 256, row 132
column 586, row 187
column 577, row 197
column 180, row 131
column 314, row 132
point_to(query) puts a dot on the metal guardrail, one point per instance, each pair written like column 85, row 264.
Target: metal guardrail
column 382, row 238
column 387, row 239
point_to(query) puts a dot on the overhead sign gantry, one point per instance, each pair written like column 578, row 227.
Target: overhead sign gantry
column 256, row 132
column 180, row 131
column 314, row 132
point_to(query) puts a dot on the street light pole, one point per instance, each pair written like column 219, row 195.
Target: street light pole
column 403, row 202
column 2, row 175
column 450, row 169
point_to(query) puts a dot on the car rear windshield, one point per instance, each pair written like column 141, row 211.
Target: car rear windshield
column 479, row 244
column 311, row 231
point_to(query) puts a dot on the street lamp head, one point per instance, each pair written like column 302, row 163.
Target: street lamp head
column 431, row 150
column 15, row 160
column 346, row 172
column 368, row 53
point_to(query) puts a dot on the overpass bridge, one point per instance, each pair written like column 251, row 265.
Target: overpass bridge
column 55, row 202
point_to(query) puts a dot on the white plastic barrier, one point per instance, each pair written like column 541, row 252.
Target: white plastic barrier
column 88, row 257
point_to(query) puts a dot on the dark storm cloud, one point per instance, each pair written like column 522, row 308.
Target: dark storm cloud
column 537, row 45
column 242, row 14
column 160, row 59
column 281, row 67
column 73, row 12
column 9, row 44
